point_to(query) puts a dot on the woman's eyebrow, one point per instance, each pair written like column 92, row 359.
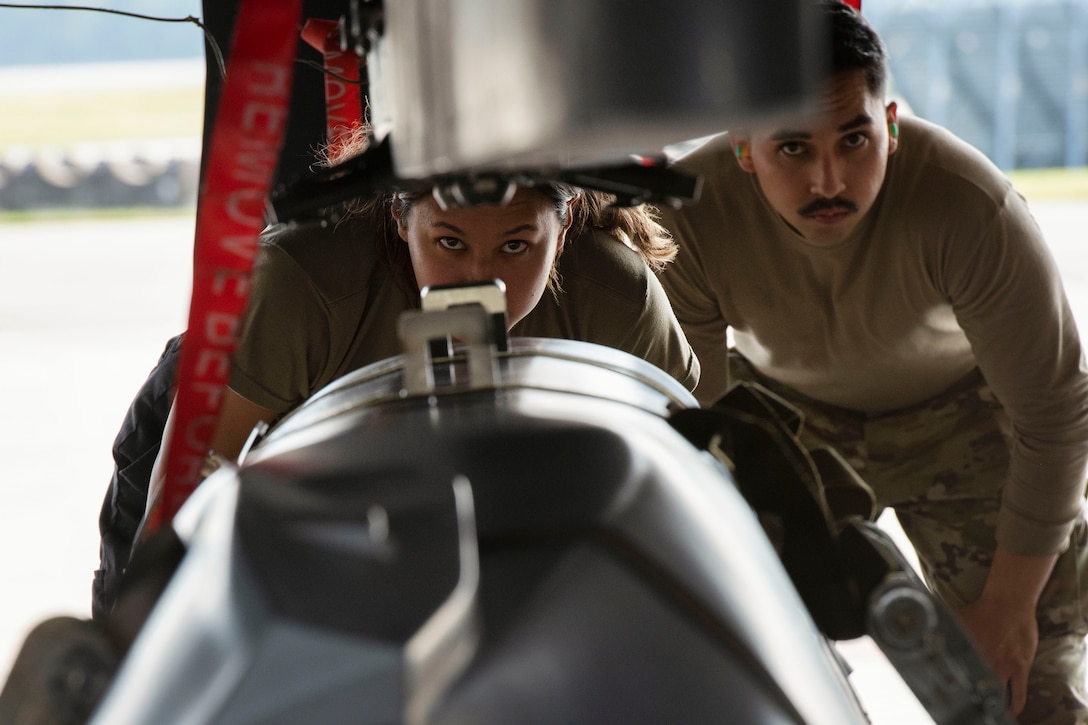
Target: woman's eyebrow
column 515, row 230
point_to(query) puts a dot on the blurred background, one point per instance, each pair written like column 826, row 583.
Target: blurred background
column 100, row 123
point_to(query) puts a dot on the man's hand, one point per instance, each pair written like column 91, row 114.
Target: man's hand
column 1002, row 620
column 1008, row 636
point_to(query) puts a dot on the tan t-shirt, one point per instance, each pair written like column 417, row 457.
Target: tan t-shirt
column 323, row 305
column 947, row 272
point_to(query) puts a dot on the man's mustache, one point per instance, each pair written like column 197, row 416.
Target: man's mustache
column 828, row 205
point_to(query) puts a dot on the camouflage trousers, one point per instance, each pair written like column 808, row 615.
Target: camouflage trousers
column 941, row 466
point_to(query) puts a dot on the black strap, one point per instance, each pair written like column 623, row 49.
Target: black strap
column 755, row 434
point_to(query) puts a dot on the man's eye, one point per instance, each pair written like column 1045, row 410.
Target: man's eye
column 452, row 243
column 855, row 140
column 792, row 148
column 515, row 247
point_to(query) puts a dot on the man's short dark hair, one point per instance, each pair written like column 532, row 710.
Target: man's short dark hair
column 855, row 45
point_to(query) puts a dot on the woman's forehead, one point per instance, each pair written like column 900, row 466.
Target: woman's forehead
column 526, row 204
column 523, row 212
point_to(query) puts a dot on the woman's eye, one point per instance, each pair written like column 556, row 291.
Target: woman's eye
column 515, row 247
column 451, row 243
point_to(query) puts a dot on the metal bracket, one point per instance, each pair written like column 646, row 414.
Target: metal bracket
column 469, row 324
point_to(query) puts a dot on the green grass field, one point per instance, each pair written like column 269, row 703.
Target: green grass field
column 74, row 116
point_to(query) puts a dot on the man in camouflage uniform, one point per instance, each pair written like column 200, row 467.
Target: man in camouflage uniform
column 885, row 278
column 935, row 465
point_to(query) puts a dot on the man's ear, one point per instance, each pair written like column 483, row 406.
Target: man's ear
column 742, row 150
column 891, row 114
